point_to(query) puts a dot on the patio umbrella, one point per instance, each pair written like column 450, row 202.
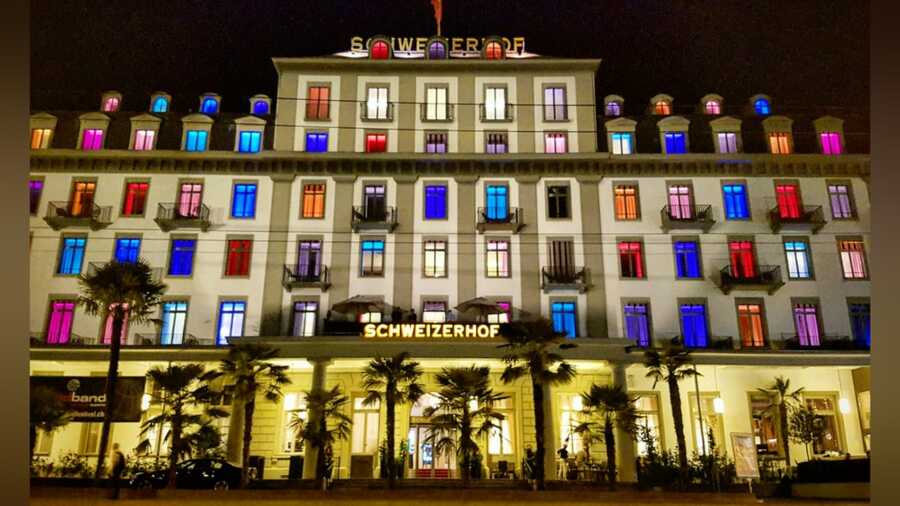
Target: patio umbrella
column 359, row 304
column 480, row 306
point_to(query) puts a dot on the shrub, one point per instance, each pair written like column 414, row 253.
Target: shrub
column 713, row 471
column 656, row 469
column 399, row 460
column 73, row 465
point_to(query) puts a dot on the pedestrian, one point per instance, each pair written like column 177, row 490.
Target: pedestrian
column 562, row 470
column 118, row 467
column 396, row 315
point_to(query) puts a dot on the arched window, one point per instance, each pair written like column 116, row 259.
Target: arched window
column 437, row 50
column 260, row 108
column 761, row 106
column 161, row 104
column 493, row 51
column 662, row 108
column 209, row 106
column 613, row 109
column 379, row 50
column 111, row 104
column 713, row 107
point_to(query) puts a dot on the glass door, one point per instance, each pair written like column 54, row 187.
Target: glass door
column 308, row 260
column 82, row 202
column 562, row 260
column 497, row 197
column 189, row 199
column 374, row 202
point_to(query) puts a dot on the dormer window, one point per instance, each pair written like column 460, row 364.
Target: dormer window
column 613, row 109
column 196, row 128
column 761, row 105
column 249, row 134
column 711, row 104
column 674, row 135
column 778, row 135
column 159, row 102
column 380, row 50
column 144, row 130
column 92, row 139
column 260, row 108
column 110, row 103
column 726, row 132
column 40, row 138
column 662, row 108
column 493, row 50
column 209, row 104
column 830, row 131
column 437, row 50
column 620, row 135
column 831, row 143
column 93, row 130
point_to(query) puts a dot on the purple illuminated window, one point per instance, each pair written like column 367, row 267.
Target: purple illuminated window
column 59, row 328
column 613, row 109
column 437, row 50
column 637, row 327
column 831, row 143
column 92, row 139
column 435, row 143
column 34, row 189
column 806, row 318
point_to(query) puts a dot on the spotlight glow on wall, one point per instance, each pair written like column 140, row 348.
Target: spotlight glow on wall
column 145, row 402
column 719, row 405
column 844, row 405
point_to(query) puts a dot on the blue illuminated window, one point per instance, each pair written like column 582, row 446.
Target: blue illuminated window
column 181, row 261
column 72, row 256
column 861, row 323
column 174, row 320
column 260, row 108
column 195, row 140
column 316, row 142
column 243, row 204
column 161, row 104
column 435, row 202
column 637, row 324
column 621, row 143
column 675, row 143
column 761, row 106
column 249, row 142
column 693, row 325
column 564, row 320
column 209, row 106
column 497, row 202
column 231, row 320
column 735, row 196
column 372, row 258
column 127, row 249
column 687, row 259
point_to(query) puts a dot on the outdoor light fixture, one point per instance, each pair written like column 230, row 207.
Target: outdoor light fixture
column 844, row 405
column 719, row 405
column 145, row 402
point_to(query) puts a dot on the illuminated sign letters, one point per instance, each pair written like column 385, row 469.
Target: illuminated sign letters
column 431, row 331
column 457, row 44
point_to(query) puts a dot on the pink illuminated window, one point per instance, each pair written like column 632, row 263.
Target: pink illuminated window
column 59, row 327
column 92, row 139
column 680, row 207
column 806, row 319
column 831, row 143
column 713, row 107
column 143, row 140
column 108, row 328
column 555, row 143
column 111, row 104
column 189, row 200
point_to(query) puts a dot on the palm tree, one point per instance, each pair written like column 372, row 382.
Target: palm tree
column 781, row 402
column 616, row 410
column 392, row 380
column 125, row 292
column 48, row 413
column 533, row 351
column 250, row 368
column 673, row 365
column 464, row 412
column 184, row 387
column 323, row 406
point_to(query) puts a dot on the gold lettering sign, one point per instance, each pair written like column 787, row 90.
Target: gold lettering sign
column 431, row 331
column 467, row 44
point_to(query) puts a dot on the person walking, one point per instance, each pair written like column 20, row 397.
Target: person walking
column 562, row 471
column 118, row 467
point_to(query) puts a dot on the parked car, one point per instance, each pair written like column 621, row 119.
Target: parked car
column 216, row 474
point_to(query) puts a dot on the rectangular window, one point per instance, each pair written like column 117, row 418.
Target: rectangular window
column 243, row 203
column 830, row 440
column 316, row 142
column 372, row 258
column 637, row 323
column 735, row 197
column 555, row 104
column 143, row 140
column 295, row 412
column 558, row 201
column 727, row 142
column 35, row 187
column 647, row 410
column 365, row 427
column 631, row 262
column 841, row 202
column 436, row 202
column 82, row 203
column 181, row 261
column 317, row 102
column 743, row 263
column 831, row 143
column 72, row 256
column 436, row 103
column 369, row 317
column 798, row 260
column 309, row 260
column 622, row 143
column 779, row 143
column 693, row 325
column 305, row 316
column 504, row 315
column 314, row 200
column 571, row 416
column 500, row 437
column 376, row 143
column 377, row 103
column 497, row 202
column 249, row 142
column 231, row 320
column 750, row 325
column 765, row 432
column 190, row 198
column 108, row 329
column 712, row 421
column 564, row 318
column 59, row 324
column 806, row 321
column 496, row 143
column 788, row 198
column 434, row 311
column 626, row 202
column 853, row 259
column 435, row 142
column 127, row 249
column 195, row 140
column 135, row 199
column 861, row 323
column 687, row 259
column 497, row 258
column 40, row 138
column 681, row 206
column 174, row 322
column 435, row 259
column 555, row 143
column 92, row 139
column 495, row 104
column 237, row 262
column 675, row 143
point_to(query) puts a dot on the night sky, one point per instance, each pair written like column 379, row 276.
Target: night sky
column 805, row 54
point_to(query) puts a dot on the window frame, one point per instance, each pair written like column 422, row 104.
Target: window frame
column 34, row 207
column 162, row 314
column 318, row 102
column 369, row 133
column 220, row 302
column 566, row 300
column 635, row 301
column 641, row 256
column 61, row 252
column 126, row 236
column 228, row 252
column 436, row 135
column 550, row 139
column 438, row 106
column 255, row 135
column 699, row 252
column 315, row 314
column 809, row 257
column 234, row 185
column 855, row 301
column 362, row 271
column 306, row 183
column 500, row 134
column 612, row 143
column 736, row 182
column 204, row 133
column 863, row 253
column 496, row 252
column 306, row 143
column 388, row 116
column 153, row 139
column 820, row 324
column 637, row 200
column 851, row 200
column 171, row 256
column 46, row 135
column 752, row 301
column 506, row 109
column 442, row 269
column 436, row 184
column 554, row 105
column 568, row 204
column 694, row 301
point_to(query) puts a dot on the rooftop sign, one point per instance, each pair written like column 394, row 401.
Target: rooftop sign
column 455, row 44
column 431, row 331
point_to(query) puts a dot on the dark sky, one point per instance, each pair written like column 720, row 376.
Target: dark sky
column 803, row 53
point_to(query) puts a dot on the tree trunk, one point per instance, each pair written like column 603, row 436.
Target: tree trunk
column 249, row 406
column 175, row 447
column 32, row 430
column 537, row 396
column 390, row 461
column 112, row 377
column 783, row 428
column 320, row 454
column 609, row 437
column 675, row 398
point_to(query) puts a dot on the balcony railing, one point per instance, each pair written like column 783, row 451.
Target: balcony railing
column 62, row 214
column 374, row 218
column 825, row 342
column 559, row 278
column 292, row 277
column 512, row 221
column 138, row 339
column 811, row 218
column 504, row 113
column 765, row 278
column 377, row 113
column 699, row 217
column 156, row 273
column 446, row 109
column 172, row 215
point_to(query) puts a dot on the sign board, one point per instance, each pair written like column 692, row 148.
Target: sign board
column 85, row 396
column 431, row 331
column 456, row 44
column 745, row 459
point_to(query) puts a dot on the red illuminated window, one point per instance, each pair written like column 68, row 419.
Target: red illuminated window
column 630, row 260
column 317, row 102
column 742, row 263
column 662, row 108
column 493, row 51
column 788, row 198
column 379, row 50
column 376, row 143
column 135, row 199
column 238, row 261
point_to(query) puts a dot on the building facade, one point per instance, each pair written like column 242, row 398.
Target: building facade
column 416, row 180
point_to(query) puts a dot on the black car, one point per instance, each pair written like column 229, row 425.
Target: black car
column 216, row 474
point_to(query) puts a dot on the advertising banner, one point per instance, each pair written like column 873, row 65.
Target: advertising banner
column 85, row 396
column 745, row 464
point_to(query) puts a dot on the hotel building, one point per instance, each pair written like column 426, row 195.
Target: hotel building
column 416, row 179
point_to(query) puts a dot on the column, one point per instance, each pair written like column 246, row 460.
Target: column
column 551, row 439
column 341, row 239
column 310, row 454
column 403, row 242
column 595, row 312
column 465, row 238
column 625, row 454
column 528, row 245
column 276, row 255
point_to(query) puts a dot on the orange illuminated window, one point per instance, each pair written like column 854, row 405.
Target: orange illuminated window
column 750, row 321
column 82, row 203
column 662, row 108
column 314, row 200
column 779, row 143
column 40, row 138
column 317, row 102
column 493, row 51
column 626, row 202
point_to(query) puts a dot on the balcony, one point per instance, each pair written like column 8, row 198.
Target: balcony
column 512, row 222
column 169, row 216
column 292, row 278
column 767, row 278
column 700, row 219
column 559, row 278
column 176, row 340
column 500, row 114
column 439, row 113
column 384, row 112
column 40, row 340
column 156, row 273
column 374, row 218
column 64, row 214
column 826, row 342
column 811, row 219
